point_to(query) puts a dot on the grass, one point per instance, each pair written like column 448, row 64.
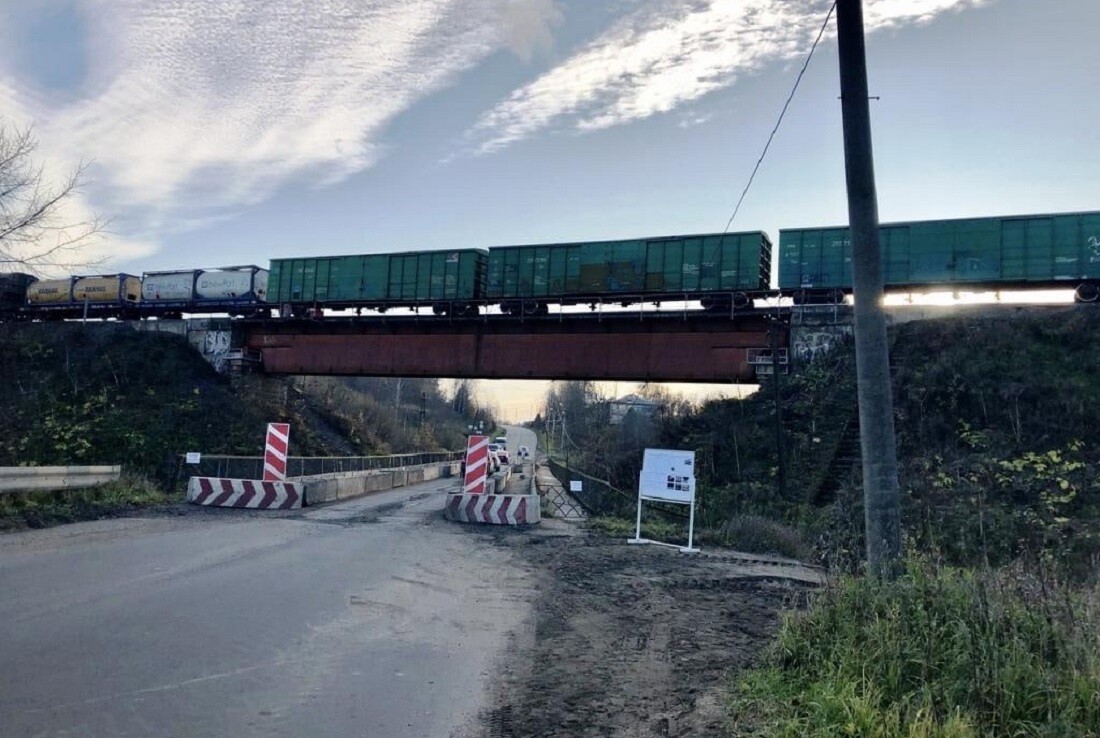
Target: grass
column 761, row 535
column 657, row 530
column 44, row 509
column 745, row 533
column 940, row 653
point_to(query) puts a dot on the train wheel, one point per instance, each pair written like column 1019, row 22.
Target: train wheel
column 741, row 300
column 1087, row 292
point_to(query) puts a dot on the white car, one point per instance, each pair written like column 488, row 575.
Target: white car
column 524, row 452
column 500, row 450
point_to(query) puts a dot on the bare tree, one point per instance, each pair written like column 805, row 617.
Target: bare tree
column 37, row 231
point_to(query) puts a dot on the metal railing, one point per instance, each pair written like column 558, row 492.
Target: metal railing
column 596, row 496
column 252, row 467
column 52, row 478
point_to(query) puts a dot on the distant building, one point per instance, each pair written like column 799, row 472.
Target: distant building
column 621, row 407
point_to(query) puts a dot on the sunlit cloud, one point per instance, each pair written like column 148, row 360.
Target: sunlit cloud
column 671, row 52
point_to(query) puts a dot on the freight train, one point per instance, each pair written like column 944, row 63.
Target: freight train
column 238, row 291
column 722, row 271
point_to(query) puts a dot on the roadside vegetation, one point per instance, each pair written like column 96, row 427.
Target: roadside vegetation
column 107, row 394
column 993, row 629
column 942, row 652
column 43, row 509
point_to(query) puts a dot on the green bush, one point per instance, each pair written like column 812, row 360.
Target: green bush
column 940, row 653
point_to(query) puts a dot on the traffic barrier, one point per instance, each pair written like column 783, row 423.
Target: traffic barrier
column 477, row 464
column 332, row 487
column 51, row 478
column 248, row 493
column 493, row 509
column 275, row 451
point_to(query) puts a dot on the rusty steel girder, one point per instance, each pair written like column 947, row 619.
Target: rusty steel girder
column 699, row 349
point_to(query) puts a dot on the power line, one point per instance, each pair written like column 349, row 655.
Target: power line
column 783, row 112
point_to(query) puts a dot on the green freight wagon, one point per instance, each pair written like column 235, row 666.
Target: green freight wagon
column 449, row 281
column 714, row 267
column 1026, row 251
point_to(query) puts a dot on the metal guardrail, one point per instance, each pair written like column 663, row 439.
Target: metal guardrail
column 252, row 467
column 53, row 478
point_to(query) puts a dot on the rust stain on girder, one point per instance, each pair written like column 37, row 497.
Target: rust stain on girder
column 656, row 355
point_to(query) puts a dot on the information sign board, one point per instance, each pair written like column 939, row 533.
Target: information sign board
column 668, row 475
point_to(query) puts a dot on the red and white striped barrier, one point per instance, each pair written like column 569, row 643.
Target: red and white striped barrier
column 275, row 451
column 215, row 492
column 493, row 509
column 477, row 465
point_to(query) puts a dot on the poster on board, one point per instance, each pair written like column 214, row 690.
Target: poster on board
column 668, row 475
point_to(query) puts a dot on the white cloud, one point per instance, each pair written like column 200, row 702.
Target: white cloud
column 76, row 211
column 222, row 102
column 527, row 26
column 191, row 107
column 670, row 52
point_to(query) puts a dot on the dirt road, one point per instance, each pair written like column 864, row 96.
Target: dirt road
column 633, row 640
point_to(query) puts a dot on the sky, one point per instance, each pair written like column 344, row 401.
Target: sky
column 235, row 131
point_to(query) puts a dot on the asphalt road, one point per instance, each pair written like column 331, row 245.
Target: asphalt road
column 366, row 618
column 520, row 436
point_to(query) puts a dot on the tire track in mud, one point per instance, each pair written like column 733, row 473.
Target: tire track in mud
column 634, row 641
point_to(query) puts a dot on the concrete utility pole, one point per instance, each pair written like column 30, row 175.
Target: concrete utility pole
column 881, row 496
column 781, row 471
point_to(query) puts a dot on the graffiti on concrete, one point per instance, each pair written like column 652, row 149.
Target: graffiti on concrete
column 811, row 342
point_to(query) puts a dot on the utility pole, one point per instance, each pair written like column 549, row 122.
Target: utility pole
column 781, row 472
column 881, row 495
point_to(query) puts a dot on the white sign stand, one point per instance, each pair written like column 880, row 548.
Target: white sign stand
column 667, row 476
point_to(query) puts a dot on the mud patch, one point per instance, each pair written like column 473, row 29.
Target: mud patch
column 635, row 641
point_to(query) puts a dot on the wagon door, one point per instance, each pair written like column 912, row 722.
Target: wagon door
column 895, row 255
column 1040, row 249
column 977, row 252
column 655, row 266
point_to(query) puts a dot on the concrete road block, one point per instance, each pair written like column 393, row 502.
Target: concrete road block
column 248, row 493
column 333, row 487
column 493, row 509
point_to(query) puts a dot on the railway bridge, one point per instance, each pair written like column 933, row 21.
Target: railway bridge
column 659, row 347
column 628, row 346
